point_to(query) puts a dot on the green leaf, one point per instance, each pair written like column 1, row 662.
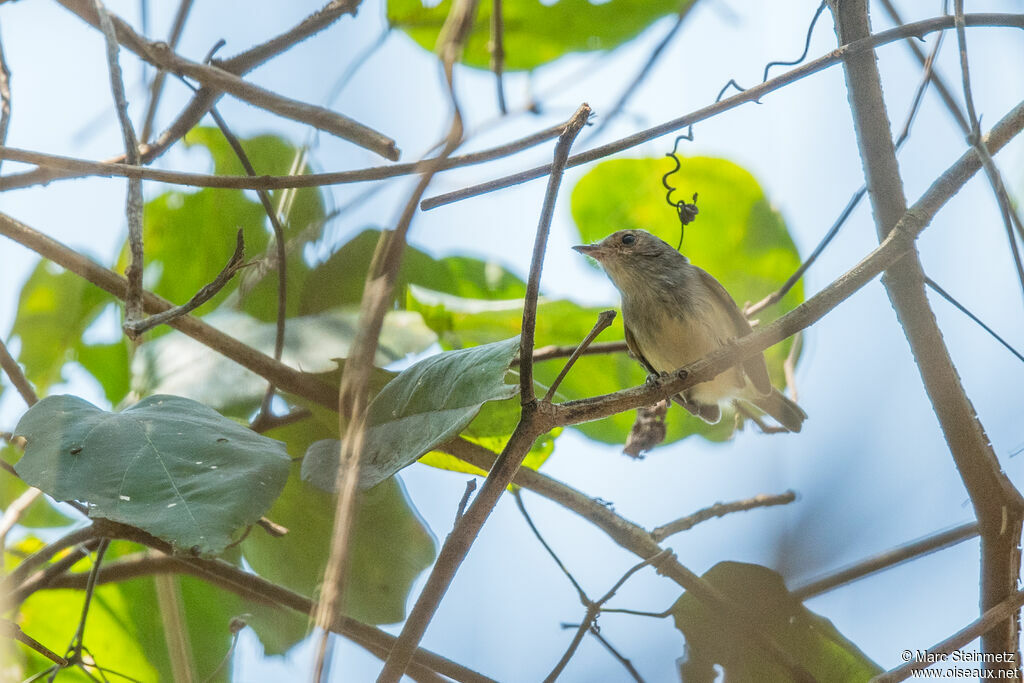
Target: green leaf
column 168, row 465
column 110, row 364
column 54, row 309
column 762, row 598
column 465, row 323
column 389, row 547
column 339, row 280
column 429, row 403
column 177, row 364
column 51, row 617
column 535, row 32
column 424, row 406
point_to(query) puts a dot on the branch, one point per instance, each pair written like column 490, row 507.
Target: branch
column 720, row 510
column 253, row 587
column 74, row 167
column 206, row 97
column 974, row 137
column 1006, row 610
column 5, row 96
column 157, row 87
column 17, row 376
column 234, row 264
column 604, row 320
column 497, row 48
column 997, row 504
column 133, row 203
column 161, row 56
column 353, row 394
column 887, row 560
column 532, row 424
column 285, row 377
column 755, row 93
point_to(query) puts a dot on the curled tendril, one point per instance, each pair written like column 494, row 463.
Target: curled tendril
column 687, row 212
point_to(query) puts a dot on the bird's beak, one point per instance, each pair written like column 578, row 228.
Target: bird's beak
column 594, row 251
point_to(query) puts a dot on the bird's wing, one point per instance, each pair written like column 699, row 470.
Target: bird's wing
column 754, row 367
column 634, row 350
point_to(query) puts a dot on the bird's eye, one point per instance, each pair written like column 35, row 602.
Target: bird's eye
column 628, row 239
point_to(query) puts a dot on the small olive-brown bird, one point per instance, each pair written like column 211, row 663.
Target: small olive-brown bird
column 676, row 313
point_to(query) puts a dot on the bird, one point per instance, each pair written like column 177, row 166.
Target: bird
column 675, row 313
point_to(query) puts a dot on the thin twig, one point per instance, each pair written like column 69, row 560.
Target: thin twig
column 532, row 424
column 279, row 242
column 161, row 56
column 353, row 392
column 157, row 87
column 78, row 640
column 974, row 138
column 919, row 28
column 940, row 86
column 12, row 514
column 44, row 554
column 200, row 103
column 17, row 376
column 628, row 665
column 604, row 320
column 776, row 296
column 9, row 629
column 286, row 378
column 110, row 169
column 517, row 495
column 594, row 610
column 555, row 351
column 253, row 587
column 497, row 48
column 1004, row 611
column 133, row 204
column 470, row 487
column 207, row 292
column 963, row 309
column 5, row 96
column 540, row 244
column 644, row 71
column 887, row 560
column 720, row 510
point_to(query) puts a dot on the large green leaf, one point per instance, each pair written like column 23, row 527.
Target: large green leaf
column 535, row 32
column 168, row 465
column 54, row 309
column 339, row 280
column 427, row 404
column 465, row 323
column 389, row 547
column 761, row 597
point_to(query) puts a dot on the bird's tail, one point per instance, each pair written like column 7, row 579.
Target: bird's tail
column 784, row 411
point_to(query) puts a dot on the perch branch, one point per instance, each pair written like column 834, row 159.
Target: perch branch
column 763, row 500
